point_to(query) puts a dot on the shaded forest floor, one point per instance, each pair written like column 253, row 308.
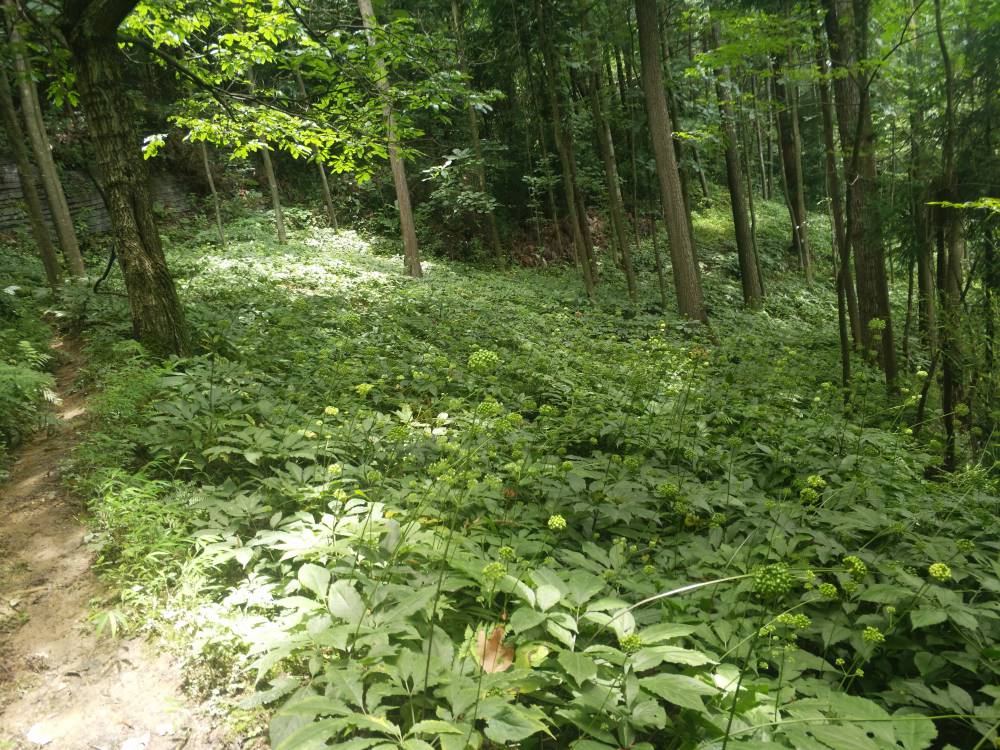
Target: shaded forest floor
column 61, row 684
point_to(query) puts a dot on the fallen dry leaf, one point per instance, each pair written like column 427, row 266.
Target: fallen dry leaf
column 492, row 655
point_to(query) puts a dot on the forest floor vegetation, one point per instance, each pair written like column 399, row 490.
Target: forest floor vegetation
column 477, row 510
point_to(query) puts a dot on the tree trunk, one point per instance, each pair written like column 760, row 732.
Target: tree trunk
column 324, row 183
column 215, row 196
column 950, row 232
column 157, row 316
column 26, row 176
column 34, row 126
column 686, row 277
column 564, row 145
column 923, row 248
column 269, row 178
column 844, row 276
column 847, row 31
column 477, row 147
column 791, row 165
column 607, row 148
column 411, row 251
column 753, row 294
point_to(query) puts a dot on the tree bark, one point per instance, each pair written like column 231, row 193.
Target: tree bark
column 270, row 180
column 950, row 232
column 477, row 146
column 27, row 177
column 687, row 283
column 846, row 23
column 564, row 145
column 411, row 251
column 607, row 148
column 753, row 293
column 791, row 164
column 157, row 316
column 844, row 277
column 324, row 183
column 34, row 126
column 215, row 196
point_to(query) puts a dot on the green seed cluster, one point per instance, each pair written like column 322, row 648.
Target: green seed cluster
column 772, row 580
column 557, row 522
column 939, row 571
column 484, row 361
column 856, row 567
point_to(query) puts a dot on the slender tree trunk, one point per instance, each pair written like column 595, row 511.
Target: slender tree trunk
column 923, row 247
column 157, row 316
column 753, row 293
column 324, row 183
column 791, row 163
column 768, row 88
column 34, row 126
column 759, row 139
column 951, row 249
column 847, row 30
column 215, row 196
column 270, row 180
column 564, row 145
column 607, row 148
column 411, row 251
column 26, row 176
column 687, row 283
column 844, row 277
column 477, row 146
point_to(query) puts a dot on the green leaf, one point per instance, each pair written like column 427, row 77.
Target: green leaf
column 647, row 658
column 922, row 618
column 884, row 593
column 315, row 578
column 914, row 731
column 679, row 689
column 842, row 736
column 514, row 723
column 434, row 726
column 648, row 715
column 309, row 737
column 525, row 618
column 665, row 631
column 547, row 596
column 344, row 602
column 578, row 666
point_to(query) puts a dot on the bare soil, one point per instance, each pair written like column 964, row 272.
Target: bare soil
column 61, row 685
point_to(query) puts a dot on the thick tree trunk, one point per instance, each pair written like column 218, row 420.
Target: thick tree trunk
column 411, row 251
column 34, row 126
column 27, row 177
column 844, row 277
column 846, row 28
column 687, row 283
column 791, row 164
column 564, row 145
column 477, row 146
column 215, row 196
column 753, row 293
column 157, row 316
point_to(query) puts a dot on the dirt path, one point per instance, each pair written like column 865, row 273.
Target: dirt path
column 61, row 686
